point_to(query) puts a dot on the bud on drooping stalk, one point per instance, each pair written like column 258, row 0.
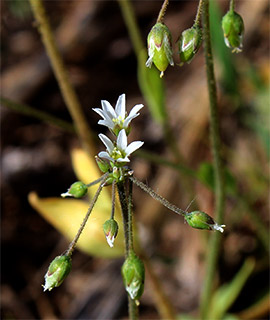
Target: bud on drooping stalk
column 189, row 43
column 159, row 47
column 133, row 276
column 233, row 29
column 103, row 165
column 57, row 272
column 77, row 190
column 110, row 228
column 201, row 220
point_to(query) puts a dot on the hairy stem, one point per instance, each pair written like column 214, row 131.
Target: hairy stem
column 61, row 75
column 92, row 204
column 199, row 11
column 162, row 11
column 215, row 238
column 232, row 5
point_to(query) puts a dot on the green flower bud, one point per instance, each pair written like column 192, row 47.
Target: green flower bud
column 159, row 47
column 133, row 276
column 57, row 272
column 77, row 190
column 103, row 165
column 189, row 43
column 233, row 29
column 201, row 220
column 110, row 228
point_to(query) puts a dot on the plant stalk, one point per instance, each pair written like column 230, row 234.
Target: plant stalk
column 215, row 238
column 162, row 11
column 61, row 75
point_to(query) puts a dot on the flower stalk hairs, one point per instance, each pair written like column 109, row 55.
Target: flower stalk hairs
column 113, row 162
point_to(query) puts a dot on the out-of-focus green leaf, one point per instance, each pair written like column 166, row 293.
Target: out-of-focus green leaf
column 225, row 296
column 152, row 88
column 206, row 175
column 19, row 8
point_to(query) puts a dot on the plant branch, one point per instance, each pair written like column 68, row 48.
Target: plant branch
column 61, row 75
column 215, row 238
column 41, row 115
column 162, row 11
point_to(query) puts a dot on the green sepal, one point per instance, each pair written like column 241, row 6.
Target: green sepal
column 189, row 43
column 133, row 274
column 233, row 30
column 103, row 165
column 78, row 189
column 57, row 272
column 110, row 228
column 160, row 47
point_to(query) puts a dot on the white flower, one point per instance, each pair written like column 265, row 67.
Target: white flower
column 218, row 227
column 121, row 151
column 117, row 119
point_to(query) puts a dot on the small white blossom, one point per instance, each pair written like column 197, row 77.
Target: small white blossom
column 117, row 119
column 121, row 151
column 218, row 227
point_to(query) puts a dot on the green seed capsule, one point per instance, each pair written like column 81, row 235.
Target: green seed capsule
column 133, row 276
column 233, row 29
column 189, row 43
column 201, row 220
column 78, row 189
column 110, row 228
column 57, row 272
column 159, row 47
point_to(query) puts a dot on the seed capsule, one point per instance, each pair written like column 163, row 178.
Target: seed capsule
column 201, row 220
column 159, row 47
column 57, row 272
column 233, row 30
column 133, row 276
column 189, row 43
column 77, row 190
column 110, row 228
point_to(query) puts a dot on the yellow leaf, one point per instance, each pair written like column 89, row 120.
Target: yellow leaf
column 66, row 215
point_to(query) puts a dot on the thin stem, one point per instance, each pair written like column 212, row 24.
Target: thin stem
column 92, row 204
column 133, row 309
column 232, row 5
column 41, row 115
column 198, row 15
column 124, row 210
column 157, row 197
column 113, row 200
column 96, row 181
column 61, row 75
column 162, row 11
column 130, row 205
column 214, row 246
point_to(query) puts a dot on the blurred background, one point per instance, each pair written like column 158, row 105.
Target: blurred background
column 35, row 156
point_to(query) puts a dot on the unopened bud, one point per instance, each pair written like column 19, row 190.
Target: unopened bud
column 233, row 29
column 57, row 272
column 110, row 228
column 159, row 47
column 201, row 220
column 103, row 165
column 133, row 276
column 77, row 190
column 189, row 43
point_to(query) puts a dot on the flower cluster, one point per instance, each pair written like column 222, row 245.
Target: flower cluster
column 118, row 121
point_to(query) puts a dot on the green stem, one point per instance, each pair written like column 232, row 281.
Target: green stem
column 41, row 115
column 92, row 204
column 61, row 75
column 130, row 215
column 232, row 5
column 198, row 15
column 126, row 208
column 215, row 238
column 162, row 11
column 113, row 200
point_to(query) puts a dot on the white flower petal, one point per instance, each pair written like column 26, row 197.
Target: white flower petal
column 109, row 110
column 105, row 155
column 120, row 108
column 107, row 142
column 126, row 159
column 106, row 123
column 133, row 114
column 218, row 227
column 122, row 140
column 133, row 146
